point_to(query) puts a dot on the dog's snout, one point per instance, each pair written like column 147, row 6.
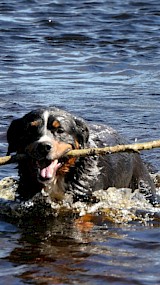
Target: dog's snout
column 44, row 148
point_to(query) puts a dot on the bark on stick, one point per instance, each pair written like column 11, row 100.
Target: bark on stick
column 93, row 151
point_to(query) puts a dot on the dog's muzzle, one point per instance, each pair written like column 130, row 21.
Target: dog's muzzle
column 45, row 156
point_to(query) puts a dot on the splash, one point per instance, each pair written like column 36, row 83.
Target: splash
column 114, row 205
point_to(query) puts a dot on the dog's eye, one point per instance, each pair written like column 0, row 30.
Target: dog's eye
column 60, row 130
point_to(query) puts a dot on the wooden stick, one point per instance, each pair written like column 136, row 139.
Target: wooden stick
column 93, row 151
column 11, row 159
column 114, row 149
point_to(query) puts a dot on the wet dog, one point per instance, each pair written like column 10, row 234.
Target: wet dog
column 46, row 135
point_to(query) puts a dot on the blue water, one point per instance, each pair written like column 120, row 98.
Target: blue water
column 100, row 60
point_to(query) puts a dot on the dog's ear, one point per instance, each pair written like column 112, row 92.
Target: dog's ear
column 82, row 131
column 14, row 135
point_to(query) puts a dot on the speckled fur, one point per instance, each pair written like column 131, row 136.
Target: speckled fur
column 87, row 174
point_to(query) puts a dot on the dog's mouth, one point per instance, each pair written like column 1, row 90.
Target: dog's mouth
column 47, row 170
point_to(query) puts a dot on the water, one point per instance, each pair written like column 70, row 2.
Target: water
column 100, row 60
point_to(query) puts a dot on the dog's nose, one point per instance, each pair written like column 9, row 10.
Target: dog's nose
column 44, row 148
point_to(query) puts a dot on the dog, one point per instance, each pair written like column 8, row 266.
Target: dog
column 46, row 135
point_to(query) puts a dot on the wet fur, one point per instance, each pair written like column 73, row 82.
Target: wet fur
column 79, row 176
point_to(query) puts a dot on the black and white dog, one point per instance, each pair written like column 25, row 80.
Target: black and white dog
column 46, row 135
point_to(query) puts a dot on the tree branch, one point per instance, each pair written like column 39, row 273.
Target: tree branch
column 114, row 149
column 93, row 151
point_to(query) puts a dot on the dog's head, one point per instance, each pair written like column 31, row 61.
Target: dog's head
column 45, row 136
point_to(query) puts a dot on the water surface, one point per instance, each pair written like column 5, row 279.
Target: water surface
column 100, row 60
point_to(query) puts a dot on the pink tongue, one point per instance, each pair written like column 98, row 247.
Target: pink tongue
column 50, row 171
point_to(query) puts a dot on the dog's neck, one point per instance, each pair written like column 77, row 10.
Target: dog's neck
column 56, row 189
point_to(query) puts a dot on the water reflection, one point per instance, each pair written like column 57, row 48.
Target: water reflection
column 59, row 253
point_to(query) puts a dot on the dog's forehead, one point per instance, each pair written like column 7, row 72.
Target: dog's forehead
column 49, row 115
column 60, row 116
